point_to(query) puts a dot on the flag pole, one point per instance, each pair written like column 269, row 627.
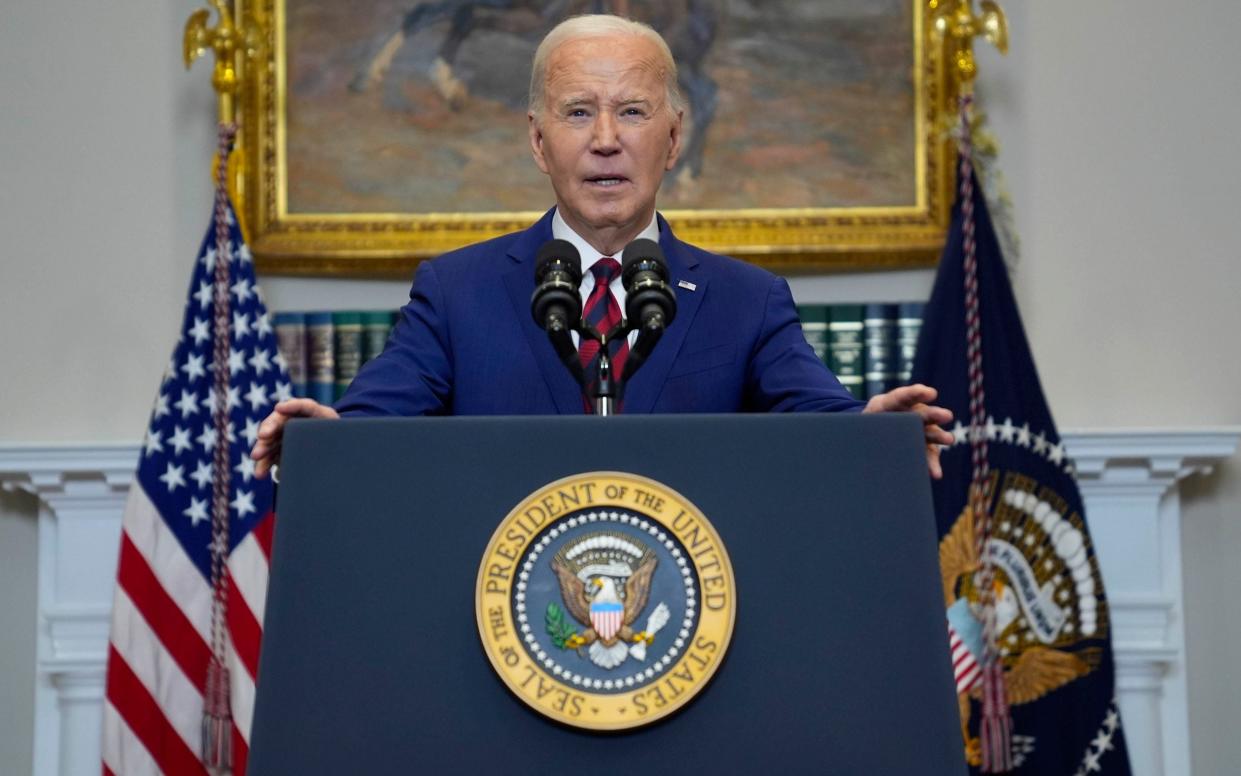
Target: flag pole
column 233, row 44
column 955, row 26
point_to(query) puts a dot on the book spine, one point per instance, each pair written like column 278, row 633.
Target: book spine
column 908, row 328
column 879, row 333
column 814, row 326
column 376, row 325
column 844, row 327
column 347, row 334
column 320, row 357
column 291, row 341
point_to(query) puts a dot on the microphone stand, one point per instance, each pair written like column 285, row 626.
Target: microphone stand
column 605, row 391
column 609, row 387
column 606, row 386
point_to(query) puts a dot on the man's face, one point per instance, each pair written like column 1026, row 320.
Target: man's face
column 605, row 134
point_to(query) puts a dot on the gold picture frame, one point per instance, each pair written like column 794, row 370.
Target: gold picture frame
column 319, row 241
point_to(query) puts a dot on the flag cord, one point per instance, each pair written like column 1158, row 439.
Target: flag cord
column 217, row 715
column 996, row 726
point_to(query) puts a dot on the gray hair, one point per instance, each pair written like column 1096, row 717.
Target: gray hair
column 600, row 26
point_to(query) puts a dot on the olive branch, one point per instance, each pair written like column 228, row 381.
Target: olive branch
column 558, row 626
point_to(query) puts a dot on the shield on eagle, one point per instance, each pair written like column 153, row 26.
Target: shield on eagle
column 607, row 613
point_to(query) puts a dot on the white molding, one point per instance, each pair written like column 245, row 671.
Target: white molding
column 1128, row 478
column 1166, row 454
column 45, row 470
column 81, row 490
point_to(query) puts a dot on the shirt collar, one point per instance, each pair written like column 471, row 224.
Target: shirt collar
column 562, row 231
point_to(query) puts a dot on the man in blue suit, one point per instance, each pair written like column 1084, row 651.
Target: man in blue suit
column 605, row 124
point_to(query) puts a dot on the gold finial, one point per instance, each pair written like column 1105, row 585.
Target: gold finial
column 232, row 43
column 956, row 25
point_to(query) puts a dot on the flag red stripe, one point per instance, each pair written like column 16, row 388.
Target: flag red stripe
column 108, row 771
column 241, row 753
column 264, row 532
column 245, row 631
column 140, row 711
column 162, row 614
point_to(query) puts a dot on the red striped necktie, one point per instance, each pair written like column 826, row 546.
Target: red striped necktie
column 603, row 313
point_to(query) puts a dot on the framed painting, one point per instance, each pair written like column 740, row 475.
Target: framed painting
column 381, row 132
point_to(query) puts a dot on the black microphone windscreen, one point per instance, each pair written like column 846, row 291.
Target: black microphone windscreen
column 558, row 250
column 639, row 251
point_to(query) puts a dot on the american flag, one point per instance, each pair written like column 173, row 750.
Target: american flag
column 965, row 646
column 162, row 628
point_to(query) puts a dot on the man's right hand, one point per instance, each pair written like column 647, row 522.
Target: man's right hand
column 266, row 452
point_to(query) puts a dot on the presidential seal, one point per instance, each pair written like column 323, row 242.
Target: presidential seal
column 605, row 601
column 1051, row 618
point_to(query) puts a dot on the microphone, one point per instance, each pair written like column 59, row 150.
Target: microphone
column 650, row 304
column 556, row 303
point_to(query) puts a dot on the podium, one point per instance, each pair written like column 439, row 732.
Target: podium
column 372, row 660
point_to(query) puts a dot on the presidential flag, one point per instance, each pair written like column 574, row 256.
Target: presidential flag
column 1028, row 619
column 180, row 606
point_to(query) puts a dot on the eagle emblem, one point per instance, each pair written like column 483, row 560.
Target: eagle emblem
column 605, row 583
column 1048, row 604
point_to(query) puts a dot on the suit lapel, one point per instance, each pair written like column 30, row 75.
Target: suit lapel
column 519, row 279
column 644, row 388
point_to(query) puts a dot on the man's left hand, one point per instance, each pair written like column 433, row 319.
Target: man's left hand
column 917, row 399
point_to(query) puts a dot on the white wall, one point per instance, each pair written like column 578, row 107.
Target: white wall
column 1118, row 124
column 17, row 634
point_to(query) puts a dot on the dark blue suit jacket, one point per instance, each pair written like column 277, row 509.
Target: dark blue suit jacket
column 466, row 344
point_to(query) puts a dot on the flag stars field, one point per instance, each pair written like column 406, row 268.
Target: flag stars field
column 193, row 368
column 180, row 440
column 236, row 361
column 173, row 477
column 199, row 331
column 257, row 396
column 153, row 443
column 251, row 431
column 243, row 503
column 188, row 404
column 203, row 475
column 245, row 468
column 196, row 511
column 207, row 438
column 242, row 290
column 260, row 361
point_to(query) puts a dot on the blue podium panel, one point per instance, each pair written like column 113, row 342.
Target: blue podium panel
column 372, row 661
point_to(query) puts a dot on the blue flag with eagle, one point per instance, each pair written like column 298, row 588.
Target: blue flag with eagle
column 1022, row 588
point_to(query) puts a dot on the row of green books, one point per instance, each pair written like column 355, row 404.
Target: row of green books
column 325, row 350
column 869, row 347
